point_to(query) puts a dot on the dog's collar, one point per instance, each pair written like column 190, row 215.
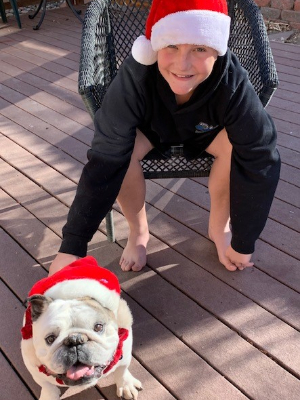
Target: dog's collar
column 123, row 335
column 44, row 370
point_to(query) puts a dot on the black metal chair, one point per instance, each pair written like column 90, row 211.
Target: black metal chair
column 111, row 26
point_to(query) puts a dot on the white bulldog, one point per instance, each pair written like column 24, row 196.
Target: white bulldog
column 76, row 330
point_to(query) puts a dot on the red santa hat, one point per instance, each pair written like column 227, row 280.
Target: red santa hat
column 171, row 22
column 81, row 278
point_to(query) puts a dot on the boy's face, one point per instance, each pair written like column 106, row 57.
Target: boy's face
column 185, row 66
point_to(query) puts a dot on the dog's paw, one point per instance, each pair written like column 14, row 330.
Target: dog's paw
column 49, row 392
column 128, row 387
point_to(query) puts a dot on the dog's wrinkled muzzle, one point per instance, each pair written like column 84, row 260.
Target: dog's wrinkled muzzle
column 79, row 372
column 75, row 339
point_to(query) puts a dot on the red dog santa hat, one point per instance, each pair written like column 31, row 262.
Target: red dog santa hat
column 171, row 22
column 79, row 279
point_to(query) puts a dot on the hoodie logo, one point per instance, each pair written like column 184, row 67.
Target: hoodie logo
column 203, row 127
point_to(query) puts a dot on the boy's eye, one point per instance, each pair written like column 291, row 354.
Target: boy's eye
column 172, row 46
column 200, row 49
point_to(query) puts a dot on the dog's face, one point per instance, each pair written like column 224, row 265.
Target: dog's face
column 74, row 339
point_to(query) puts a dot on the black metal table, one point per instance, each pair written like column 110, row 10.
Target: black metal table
column 42, row 6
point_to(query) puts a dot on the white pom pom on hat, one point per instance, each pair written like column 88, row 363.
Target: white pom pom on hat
column 199, row 22
column 143, row 52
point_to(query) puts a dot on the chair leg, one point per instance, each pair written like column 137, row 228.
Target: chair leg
column 16, row 12
column 2, row 12
column 31, row 16
column 110, row 229
column 42, row 6
column 74, row 11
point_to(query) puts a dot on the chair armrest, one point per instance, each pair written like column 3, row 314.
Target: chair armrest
column 249, row 41
column 97, row 65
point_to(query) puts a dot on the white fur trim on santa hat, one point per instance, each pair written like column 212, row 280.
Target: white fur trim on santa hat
column 75, row 288
column 142, row 51
column 200, row 27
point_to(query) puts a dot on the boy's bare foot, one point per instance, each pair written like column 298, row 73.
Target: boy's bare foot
column 222, row 241
column 134, row 254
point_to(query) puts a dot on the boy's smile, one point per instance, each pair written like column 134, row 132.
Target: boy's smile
column 184, row 67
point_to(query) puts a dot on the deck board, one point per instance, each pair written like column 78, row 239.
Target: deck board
column 12, row 387
column 200, row 332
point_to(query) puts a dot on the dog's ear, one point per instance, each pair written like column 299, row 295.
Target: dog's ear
column 39, row 304
column 124, row 316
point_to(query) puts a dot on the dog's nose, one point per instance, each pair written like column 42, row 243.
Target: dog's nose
column 75, row 339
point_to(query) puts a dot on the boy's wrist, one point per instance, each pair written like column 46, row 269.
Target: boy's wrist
column 73, row 245
column 241, row 246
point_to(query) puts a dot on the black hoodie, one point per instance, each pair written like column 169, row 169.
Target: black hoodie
column 140, row 97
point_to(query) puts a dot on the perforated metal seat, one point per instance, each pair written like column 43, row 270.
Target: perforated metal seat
column 111, row 26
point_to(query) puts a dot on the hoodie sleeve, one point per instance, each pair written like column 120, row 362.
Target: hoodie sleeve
column 108, row 160
column 255, row 166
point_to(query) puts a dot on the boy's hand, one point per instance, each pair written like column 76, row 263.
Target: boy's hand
column 241, row 261
column 60, row 261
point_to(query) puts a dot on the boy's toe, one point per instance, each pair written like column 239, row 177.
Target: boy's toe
column 137, row 267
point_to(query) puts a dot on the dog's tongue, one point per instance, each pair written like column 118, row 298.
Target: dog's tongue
column 78, row 371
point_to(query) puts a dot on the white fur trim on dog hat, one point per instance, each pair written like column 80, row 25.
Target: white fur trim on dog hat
column 199, row 22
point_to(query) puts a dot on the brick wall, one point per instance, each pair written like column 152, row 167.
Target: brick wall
column 286, row 11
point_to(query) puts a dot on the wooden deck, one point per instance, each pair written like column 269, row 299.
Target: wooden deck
column 200, row 332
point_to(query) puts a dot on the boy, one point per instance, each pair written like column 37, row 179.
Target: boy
column 180, row 86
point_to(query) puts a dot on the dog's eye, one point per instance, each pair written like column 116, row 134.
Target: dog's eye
column 98, row 328
column 50, row 339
